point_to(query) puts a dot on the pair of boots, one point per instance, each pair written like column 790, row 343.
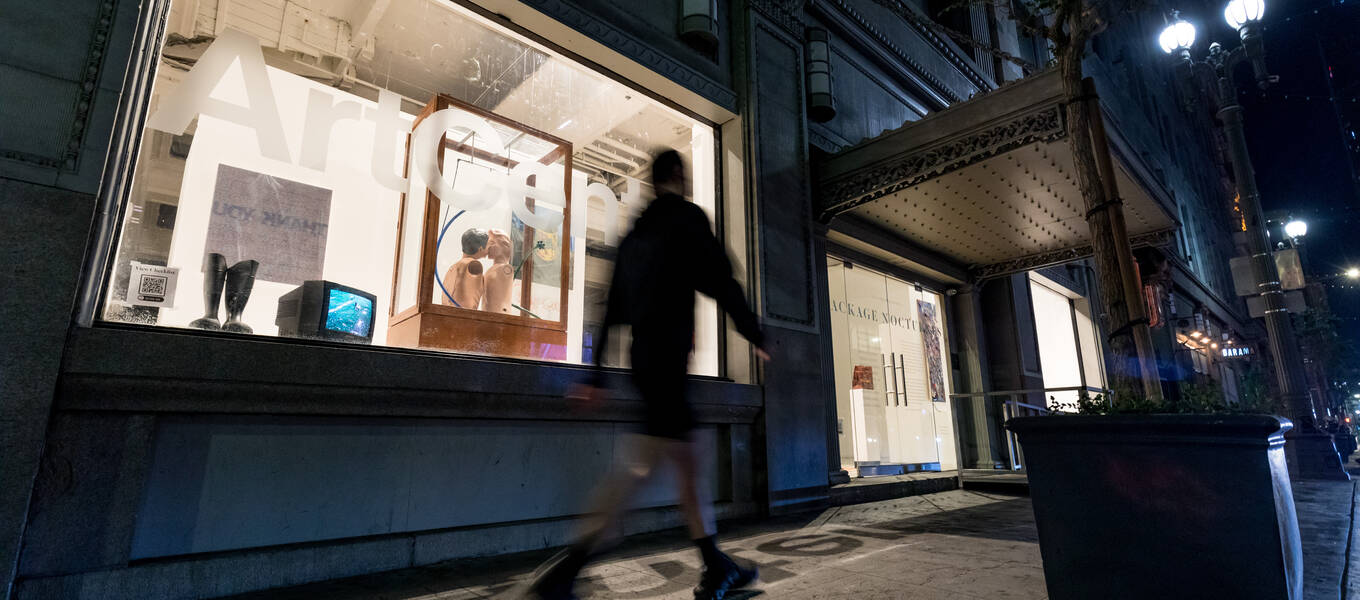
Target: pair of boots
column 237, row 280
column 720, row 574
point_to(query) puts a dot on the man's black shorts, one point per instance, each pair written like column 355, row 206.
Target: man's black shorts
column 668, row 413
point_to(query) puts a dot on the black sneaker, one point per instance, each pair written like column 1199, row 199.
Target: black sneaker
column 551, row 581
column 714, row 583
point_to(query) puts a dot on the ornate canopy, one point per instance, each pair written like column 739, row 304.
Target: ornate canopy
column 989, row 183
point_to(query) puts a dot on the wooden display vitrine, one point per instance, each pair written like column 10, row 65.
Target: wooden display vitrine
column 424, row 312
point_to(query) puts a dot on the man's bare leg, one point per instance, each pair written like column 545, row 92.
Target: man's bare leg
column 695, row 498
column 612, row 497
column 554, row 578
column 720, row 573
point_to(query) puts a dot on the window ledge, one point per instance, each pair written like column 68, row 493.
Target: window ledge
column 138, row 369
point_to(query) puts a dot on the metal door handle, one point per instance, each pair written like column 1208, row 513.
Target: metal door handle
column 903, row 388
column 889, row 378
column 899, row 399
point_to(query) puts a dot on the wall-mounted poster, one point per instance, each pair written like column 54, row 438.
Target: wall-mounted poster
column 930, row 339
column 281, row 223
column 863, row 378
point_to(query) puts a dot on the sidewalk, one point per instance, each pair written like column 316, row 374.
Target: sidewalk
column 957, row 544
column 1325, row 510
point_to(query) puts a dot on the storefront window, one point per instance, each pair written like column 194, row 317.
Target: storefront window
column 1069, row 353
column 892, row 373
column 403, row 173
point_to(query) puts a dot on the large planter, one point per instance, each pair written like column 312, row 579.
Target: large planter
column 1163, row 506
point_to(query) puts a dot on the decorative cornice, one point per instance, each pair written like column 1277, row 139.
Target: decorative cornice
column 784, row 13
column 905, row 170
column 624, row 43
column 931, row 38
column 824, row 139
column 1155, row 239
column 964, row 64
column 69, row 158
column 1066, row 255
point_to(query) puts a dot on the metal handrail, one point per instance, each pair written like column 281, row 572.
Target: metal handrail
column 1074, row 388
column 1012, row 407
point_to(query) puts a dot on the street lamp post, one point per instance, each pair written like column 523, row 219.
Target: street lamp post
column 1310, row 447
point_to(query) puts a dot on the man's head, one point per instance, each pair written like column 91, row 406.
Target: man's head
column 474, row 242
column 668, row 173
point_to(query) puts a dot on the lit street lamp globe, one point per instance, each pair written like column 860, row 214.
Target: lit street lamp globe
column 1296, row 229
column 1177, row 36
column 1241, row 13
column 1353, row 273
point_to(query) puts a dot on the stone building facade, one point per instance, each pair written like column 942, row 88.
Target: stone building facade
column 147, row 457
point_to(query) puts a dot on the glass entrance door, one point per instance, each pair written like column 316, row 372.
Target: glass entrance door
column 891, row 374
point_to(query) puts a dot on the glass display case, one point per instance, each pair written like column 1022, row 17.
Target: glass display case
column 483, row 262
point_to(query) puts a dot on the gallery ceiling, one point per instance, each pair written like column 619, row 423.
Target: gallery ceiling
column 418, row 48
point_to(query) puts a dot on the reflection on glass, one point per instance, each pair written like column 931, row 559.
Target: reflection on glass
column 318, row 101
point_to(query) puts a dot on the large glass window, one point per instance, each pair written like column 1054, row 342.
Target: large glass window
column 402, row 173
column 1069, row 352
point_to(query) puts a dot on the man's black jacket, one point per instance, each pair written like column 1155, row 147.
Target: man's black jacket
column 670, row 254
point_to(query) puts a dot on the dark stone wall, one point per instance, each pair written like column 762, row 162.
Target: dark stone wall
column 62, row 63
column 72, row 478
column 43, row 258
column 647, row 32
column 796, row 393
column 886, row 71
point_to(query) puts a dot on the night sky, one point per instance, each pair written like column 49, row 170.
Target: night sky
column 1302, row 143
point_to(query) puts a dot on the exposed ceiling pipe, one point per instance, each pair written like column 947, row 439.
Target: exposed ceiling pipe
column 359, row 38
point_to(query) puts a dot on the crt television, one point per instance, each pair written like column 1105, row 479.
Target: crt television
column 327, row 310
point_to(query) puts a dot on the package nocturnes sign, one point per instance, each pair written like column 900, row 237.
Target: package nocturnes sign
column 871, row 314
column 281, row 223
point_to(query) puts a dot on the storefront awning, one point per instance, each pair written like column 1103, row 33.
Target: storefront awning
column 989, row 183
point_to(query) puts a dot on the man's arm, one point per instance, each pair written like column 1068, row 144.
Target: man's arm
column 613, row 315
column 714, row 279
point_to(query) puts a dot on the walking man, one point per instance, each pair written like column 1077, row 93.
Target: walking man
column 670, row 254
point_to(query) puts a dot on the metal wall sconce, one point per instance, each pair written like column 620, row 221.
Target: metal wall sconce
column 699, row 24
column 821, row 102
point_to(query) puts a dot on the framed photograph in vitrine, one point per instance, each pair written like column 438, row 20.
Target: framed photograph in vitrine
column 483, row 260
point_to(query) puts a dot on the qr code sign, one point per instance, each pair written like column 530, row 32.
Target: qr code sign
column 153, row 285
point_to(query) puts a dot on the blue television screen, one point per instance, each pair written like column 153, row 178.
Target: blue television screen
column 349, row 313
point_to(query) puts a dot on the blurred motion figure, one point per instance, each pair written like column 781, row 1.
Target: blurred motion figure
column 670, row 254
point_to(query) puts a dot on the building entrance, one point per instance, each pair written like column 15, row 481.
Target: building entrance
column 892, row 375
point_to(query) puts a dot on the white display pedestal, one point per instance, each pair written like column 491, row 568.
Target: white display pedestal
column 857, row 428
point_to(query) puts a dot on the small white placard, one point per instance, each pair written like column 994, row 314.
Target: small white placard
column 151, row 285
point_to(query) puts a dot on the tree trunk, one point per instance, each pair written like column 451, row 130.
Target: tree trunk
column 1133, row 367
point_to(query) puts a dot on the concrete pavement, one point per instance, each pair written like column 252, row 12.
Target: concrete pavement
column 963, row 544
column 957, row 544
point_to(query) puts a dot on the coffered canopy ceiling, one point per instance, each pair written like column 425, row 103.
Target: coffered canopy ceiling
column 988, row 183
